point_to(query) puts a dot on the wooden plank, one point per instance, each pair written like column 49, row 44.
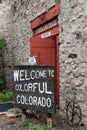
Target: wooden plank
column 57, row 75
column 38, row 42
column 50, row 14
column 49, row 33
column 49, row 120
column 46, row 26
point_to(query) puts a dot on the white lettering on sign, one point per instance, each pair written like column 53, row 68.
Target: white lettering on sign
column 21, row 75
column 47, row 26
column 51, row 73
column 47, row 34
column 33, row 87
column 34, row 101
column 16, row 75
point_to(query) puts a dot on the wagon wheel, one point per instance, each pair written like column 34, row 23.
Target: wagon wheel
column 73, row 112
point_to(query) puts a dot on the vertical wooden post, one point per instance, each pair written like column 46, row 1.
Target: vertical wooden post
column 49, row 120
column 57, row 83
column 23, row 114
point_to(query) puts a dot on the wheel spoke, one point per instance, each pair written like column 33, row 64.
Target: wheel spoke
column 73, row 112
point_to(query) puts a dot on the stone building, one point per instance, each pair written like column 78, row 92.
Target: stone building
column 6, row 31
column 72, row 21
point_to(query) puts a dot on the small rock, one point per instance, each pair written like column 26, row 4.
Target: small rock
column 78, row 83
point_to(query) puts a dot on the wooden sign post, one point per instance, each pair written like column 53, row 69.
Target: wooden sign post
column 49, row 120
column 23, row 114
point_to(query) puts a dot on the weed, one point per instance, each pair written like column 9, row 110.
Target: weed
column 15, row 128
column 84, row 128
column 5, row 97
column 36, row 127
column 25, row 123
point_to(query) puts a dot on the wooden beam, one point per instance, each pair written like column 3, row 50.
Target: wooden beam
column 50, row 14
column 45, row 27
column 49, row 33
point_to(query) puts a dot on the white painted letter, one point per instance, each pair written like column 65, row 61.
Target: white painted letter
column 48, row 102
column 22, row 76
column 46, row 91
column 16, row 75
column 18, row 99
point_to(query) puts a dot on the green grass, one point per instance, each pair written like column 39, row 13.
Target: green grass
column 5, row 97
column 84, row 128
column 32, row 127
column 37, row 127
column 26, row 124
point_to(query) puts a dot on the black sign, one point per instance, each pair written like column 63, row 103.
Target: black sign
column 34, row 88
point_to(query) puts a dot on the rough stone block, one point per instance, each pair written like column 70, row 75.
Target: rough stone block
column 80, row 97
column 83, row 55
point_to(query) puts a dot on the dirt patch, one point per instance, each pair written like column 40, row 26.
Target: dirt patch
column 59, row 122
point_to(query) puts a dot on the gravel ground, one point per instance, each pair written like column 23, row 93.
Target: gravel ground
column 59, row 122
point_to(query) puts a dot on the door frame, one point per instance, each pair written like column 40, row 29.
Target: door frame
column 47, row 26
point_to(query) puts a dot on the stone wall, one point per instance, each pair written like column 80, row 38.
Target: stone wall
column 6, row 30
column 23, row 13
column 73, row 54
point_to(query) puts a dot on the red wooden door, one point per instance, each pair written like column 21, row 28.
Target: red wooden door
column 45, row 52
